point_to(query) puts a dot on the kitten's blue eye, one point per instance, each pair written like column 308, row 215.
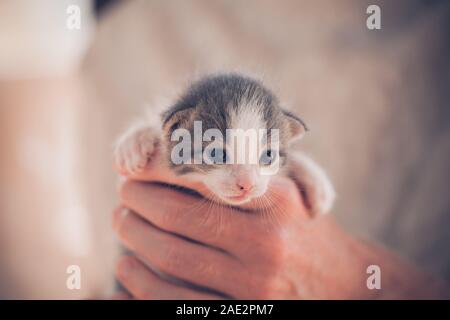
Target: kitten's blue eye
column 267, row 157
column 218, row 156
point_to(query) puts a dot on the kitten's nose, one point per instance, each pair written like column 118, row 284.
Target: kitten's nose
column 245, row 184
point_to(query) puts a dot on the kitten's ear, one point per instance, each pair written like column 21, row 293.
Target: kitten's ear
column 173, row 119
column 297, row 128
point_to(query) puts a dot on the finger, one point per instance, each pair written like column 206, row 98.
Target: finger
column 144, row 284
column 281, row 189
column 180, row 258
column 120, row 296
column 189, row 216
column 158, row 171
column 282, row 196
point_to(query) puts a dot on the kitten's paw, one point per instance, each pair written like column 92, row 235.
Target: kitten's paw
column 320, row 195
column 315, row 185
column 136, row 148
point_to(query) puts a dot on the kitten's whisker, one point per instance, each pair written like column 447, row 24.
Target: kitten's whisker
column 271, row 206
column 275, row 198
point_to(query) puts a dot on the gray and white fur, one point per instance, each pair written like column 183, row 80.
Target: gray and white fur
column 230, row 101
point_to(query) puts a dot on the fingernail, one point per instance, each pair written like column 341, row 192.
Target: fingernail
column 119, row 216
column 119, row 183
column 124, row 268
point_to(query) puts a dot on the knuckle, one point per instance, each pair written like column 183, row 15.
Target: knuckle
column 124, row 263
column 205, row 268
column 274, row 251
column 126, row 190
column 277, row 258
column 173, row 258
column 170, row 213
column 123, row 189
column 121, row 218
column 212, row 231
column 167, row 219
column 265, row 290
column 185, row 262
column 147, row 295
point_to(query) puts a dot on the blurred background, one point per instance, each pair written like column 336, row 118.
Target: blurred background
column 376, row 102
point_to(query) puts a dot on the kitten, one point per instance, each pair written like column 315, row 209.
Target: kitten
column 217, row 104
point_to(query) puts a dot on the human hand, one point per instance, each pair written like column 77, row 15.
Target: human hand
column 266, row 251
column 270, row 250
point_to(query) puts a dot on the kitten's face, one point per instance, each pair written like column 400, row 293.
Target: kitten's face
column 237, row 184
column 238, row 172
column 236, row 165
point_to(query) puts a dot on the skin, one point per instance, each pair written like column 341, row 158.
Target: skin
column 272, row 250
